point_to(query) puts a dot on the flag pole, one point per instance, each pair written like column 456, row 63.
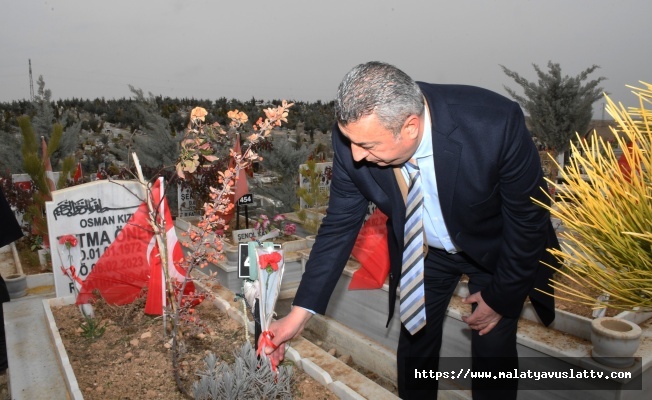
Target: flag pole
column 163, row 249
column 163, row 266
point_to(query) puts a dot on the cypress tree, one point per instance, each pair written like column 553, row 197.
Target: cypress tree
column 559, row 106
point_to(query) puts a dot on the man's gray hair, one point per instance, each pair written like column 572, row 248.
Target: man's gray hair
column 381, row 89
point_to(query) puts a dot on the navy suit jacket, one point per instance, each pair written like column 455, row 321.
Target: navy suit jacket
column 487, row 169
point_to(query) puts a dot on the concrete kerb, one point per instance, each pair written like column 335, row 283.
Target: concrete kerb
column 64, row 362
column 342, row 380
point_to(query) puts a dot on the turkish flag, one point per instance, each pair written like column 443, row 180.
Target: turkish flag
column 176, row 272
column 241, row 186
column 371, row 251
column 133, row 261
column 78, row 173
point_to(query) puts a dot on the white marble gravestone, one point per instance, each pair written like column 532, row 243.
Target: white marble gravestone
column 94, row 213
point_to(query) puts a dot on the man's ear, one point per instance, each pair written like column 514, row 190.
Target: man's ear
column 412, row 126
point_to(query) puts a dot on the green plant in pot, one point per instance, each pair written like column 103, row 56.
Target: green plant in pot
column 607, row 245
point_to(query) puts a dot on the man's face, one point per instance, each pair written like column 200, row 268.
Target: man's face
column 375, row 144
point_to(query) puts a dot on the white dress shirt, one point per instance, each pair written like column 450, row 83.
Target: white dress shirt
column 433, row 218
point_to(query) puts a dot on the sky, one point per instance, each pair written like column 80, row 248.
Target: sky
column 300, row 50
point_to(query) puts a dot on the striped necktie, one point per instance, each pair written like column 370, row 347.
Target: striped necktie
column 412, row 304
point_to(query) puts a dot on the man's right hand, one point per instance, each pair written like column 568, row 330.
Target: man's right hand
column 285, row 329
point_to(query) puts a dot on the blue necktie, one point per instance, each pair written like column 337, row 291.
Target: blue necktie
column 412, row 304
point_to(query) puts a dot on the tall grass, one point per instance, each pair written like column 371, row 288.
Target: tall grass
column 608, row 242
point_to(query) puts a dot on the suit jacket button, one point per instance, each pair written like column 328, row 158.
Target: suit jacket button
column 391, row 276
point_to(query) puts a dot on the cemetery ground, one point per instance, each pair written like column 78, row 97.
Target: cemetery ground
column 132, row 359
column 133, row 345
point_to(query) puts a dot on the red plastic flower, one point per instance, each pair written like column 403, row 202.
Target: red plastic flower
column 68, row 240
column 269, row 260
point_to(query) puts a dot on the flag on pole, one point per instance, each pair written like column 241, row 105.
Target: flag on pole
column 49, row 175
column 249, row 171
column 78, row 173
column 133, row 261
column 156, row 291
column 241, row 186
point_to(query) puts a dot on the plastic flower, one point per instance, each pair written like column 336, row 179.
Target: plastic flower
column 198, row 113
column 289, row 229
column 237, row 118
column 269, row 261
column 262, row 224
column 68, row 240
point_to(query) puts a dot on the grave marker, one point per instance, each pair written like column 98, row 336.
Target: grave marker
column 94, row 213
column 187, row 206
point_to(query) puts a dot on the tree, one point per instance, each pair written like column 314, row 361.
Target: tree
column 284, row 159
column 156, row 147
column 34, row 165
column 558, row 106
column 10, row 159
column 44, row 120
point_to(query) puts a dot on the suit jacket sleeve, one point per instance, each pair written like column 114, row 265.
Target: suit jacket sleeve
column 524, row 224
column 11, row 231
column 337, row 234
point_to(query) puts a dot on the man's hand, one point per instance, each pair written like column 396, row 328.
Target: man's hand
column 484, row 318
column 285, row 329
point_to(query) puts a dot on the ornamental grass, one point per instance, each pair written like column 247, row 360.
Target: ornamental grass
column 606, row 208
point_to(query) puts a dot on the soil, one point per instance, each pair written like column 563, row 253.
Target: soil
column 4, row 390
column 579, row 309
column 132, row 359
column 29, row 258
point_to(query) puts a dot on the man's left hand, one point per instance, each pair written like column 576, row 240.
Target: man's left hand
column 484, row 318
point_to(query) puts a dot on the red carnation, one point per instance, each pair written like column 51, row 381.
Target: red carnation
column 68, row 240
column 270, row 260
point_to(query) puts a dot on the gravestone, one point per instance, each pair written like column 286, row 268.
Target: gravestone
column 94, row 213
column 187, row 206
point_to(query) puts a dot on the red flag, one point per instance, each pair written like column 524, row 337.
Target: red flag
column 371, row 251
column 156, row 288
column 241, row 185
column 49, row 175
column 122, row 271
column 249, row 171
column 623, row 163
column 132, row 261
column 78, row 173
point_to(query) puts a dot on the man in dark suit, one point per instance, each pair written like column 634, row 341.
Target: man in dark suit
column 479, row 171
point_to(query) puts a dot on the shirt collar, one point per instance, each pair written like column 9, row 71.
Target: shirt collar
column 425, row 147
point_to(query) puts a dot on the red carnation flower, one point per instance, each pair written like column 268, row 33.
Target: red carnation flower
column 269, row 260
column 68, row 240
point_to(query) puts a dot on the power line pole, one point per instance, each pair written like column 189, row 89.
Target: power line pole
column 31, row 82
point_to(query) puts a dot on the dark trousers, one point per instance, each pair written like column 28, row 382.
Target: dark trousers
column 442, row 272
